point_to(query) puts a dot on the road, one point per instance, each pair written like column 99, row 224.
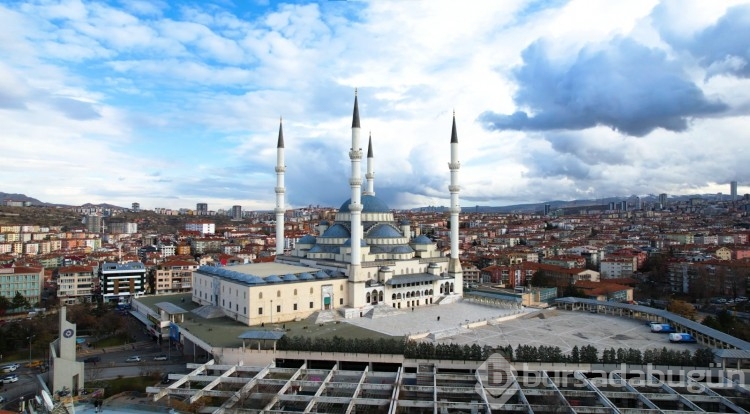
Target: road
column 112, row 365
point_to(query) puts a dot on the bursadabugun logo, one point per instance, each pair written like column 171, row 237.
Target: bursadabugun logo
column 496, row 378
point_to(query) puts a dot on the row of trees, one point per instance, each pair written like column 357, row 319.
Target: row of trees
column 522, row 353
column 19, row 302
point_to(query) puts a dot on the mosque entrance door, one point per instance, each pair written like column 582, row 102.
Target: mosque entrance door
column 327, row 302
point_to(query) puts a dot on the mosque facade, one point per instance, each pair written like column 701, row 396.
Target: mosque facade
column 362, row 261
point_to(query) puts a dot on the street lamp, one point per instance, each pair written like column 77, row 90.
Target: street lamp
column 30, row 338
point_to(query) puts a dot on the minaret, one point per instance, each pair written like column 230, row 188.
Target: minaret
column 370, row 175
column 279, row 210
column 454, row 264
column 356, row 280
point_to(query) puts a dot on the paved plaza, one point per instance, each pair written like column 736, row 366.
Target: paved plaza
column 567, row 329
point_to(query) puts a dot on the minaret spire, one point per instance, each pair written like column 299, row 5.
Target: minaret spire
column 280, row 190
column 357, row 285
column 454, row 264
column 370, row 175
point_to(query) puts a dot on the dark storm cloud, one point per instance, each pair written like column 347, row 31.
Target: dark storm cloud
column 623, row 85
column 723, row 47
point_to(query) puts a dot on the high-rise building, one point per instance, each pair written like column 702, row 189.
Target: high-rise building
column 94, row 223
column 733, row 190
column 624, row 205
column 663, row 200
column 546, row 209
column 236, row 212
column 638, row 205
column 136, row 207
column 201, row 209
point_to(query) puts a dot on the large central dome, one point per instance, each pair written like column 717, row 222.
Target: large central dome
column 370, row 204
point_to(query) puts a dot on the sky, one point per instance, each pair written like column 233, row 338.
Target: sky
column 170, row 103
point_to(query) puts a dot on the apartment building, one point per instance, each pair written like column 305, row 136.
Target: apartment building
column 174, row 276
column 617, row 267
column 28, row 281
column 121, row 281
column 75, row 284
column 203, row 227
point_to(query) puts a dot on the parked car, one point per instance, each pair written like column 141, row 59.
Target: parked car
column 10, row 368
column 92, row 359
column 133, row 359
column 10, row 378
column 161, row 357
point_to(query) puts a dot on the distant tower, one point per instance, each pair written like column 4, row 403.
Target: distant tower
column 279, row 209
column 236, row 212
column 201, row 209
column 733, row 190
column 546, row 209
column 356, row 292
column 454, row 265
column 370, row 175
column 624, row 205
column 136, row 207
column 663, row 200
column 638, row 205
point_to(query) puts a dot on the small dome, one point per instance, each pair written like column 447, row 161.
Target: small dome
column 404, row 222
column 305, row 276
column 337, row 230
column 289, row 278
column 321, row 275
column 370, row 204
column 273, row 279
column 402, row 249
column 383, row 231
column 316, row 249
column 348, row 243
column 254, row 280
column 422, row 239
column 307, row 239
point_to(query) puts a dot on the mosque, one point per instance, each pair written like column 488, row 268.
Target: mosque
column 357, row 266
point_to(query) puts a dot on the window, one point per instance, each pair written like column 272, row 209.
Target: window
column 260, row 295
column 278, row 308
column 341, row 288
column 311, row 291
column 244, row 310
column 260, row 311
column 295, row 306
column 278, row 293
column 311, row 305
column 341, row 301
column 295, row 292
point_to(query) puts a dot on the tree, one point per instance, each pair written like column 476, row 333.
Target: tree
column 20, row 302
column 539, row 279
column 682, row 308
column 5, row 304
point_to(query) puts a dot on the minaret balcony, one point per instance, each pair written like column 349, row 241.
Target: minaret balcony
column 355, row 181
column 454, row 188
column 280, row 168
column 454, row 165
column 355, row 154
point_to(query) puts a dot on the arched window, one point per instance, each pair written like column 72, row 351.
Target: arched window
column 311, row 291
column 260, row 295
column 441, row 289
column 380, row 296
column 451, row 287
column 393, row 296
column 278, row 293
column 295, row 292
column 368, row 297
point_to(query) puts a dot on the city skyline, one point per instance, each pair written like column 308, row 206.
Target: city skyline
column 173, row 104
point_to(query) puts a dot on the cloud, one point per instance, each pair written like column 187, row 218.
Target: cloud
column 722, row 48
column 620, row 84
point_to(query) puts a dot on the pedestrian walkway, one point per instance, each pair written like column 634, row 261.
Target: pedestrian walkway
column 117, row 348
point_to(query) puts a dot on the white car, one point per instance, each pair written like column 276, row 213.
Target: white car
column 10, row 368
column 133, row 359
column 160, row 358
column 10, row 378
